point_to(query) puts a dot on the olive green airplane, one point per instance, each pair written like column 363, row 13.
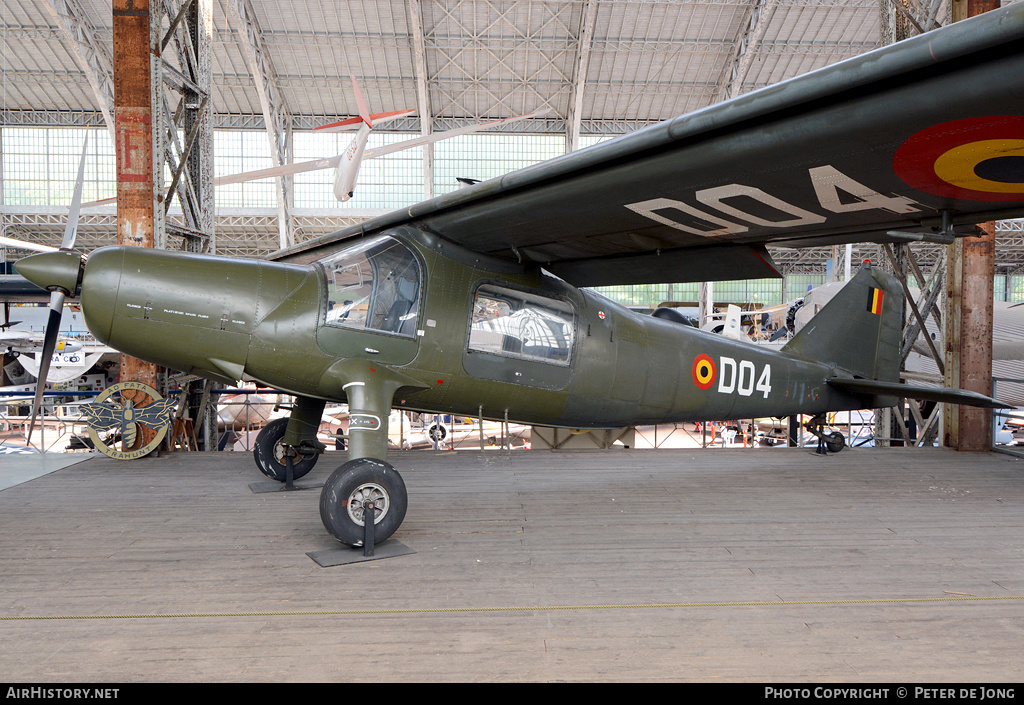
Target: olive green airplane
column 474, row 303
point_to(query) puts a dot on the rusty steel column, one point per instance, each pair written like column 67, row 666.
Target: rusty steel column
column 976, row 297
column 133, row 123
column 135, row 120
column 969, row 311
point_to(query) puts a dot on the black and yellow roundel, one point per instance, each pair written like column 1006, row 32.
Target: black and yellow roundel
column 704, row 371
column 975, row 159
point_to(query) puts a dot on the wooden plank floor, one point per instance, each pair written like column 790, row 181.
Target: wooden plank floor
column 773, row 565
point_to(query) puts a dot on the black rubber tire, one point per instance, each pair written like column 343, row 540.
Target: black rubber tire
column 834, row 442
column 355, row 479
column 265, row 454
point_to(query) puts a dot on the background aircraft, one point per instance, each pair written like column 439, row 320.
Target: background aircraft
column 19, row 341
column 346, row 165
column 476, row 303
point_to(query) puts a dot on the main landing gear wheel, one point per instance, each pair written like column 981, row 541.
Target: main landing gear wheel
column 269, row 454
column 349, row 487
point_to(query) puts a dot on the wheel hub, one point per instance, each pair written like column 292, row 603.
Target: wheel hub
column 279, row 452
column 368, row 492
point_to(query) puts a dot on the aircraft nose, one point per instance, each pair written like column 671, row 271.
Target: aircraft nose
column 53, row 270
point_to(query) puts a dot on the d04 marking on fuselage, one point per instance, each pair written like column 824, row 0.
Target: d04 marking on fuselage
column 734, row 377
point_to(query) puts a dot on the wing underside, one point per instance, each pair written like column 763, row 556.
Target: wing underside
column 889, row 142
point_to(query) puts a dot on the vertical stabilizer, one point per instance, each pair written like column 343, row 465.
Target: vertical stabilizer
column 860, row 330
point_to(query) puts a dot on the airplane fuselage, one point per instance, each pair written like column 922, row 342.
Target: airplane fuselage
column 347, row 171
column 516, row 344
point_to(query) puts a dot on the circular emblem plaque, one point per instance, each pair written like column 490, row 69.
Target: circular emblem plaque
column 113, row 412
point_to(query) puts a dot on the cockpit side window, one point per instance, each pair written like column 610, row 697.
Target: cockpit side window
column 374, row 285
column 518, row 324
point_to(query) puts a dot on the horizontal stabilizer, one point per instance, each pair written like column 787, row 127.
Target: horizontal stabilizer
column 940, row 394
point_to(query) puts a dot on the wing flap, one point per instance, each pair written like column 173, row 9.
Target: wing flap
column 724, row 263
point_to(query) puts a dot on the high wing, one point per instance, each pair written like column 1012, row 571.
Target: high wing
column 20, row 340
column 448, row 134
column 893, row 141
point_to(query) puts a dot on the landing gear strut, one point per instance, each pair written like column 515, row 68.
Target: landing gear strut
column 828, row 442
column 366, row 478
column 287, row 449
column 364, row 501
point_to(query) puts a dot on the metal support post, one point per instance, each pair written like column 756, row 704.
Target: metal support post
column 970, row 281
column 369, row 527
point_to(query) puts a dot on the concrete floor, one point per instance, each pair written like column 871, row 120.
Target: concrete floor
column 768, row 565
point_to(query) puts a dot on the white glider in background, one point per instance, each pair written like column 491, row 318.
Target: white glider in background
column 346, row 165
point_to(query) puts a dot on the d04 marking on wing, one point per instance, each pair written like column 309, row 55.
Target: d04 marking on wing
column 826, row 180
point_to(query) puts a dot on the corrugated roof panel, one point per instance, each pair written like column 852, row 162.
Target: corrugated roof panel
column 648, row 59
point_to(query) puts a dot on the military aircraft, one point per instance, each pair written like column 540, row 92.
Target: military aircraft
column 475, row 303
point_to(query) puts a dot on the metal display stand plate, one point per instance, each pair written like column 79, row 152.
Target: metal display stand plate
column 275, row 486
column 330, row 557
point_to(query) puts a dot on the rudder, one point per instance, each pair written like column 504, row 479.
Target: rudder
column 860, row 330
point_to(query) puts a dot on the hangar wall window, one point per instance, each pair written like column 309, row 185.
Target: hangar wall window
column 235, row 152
column 486, row 156
column 768, row 292
column 374, row 285
column 40, row 165
column 517, row 324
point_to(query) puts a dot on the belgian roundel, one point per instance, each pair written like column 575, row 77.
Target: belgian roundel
column 704, row 372
column 974, row 159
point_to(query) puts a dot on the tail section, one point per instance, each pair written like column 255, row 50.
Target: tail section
column 347, row 171
column 860, row 330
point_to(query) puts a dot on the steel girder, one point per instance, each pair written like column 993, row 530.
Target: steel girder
column 276, row 117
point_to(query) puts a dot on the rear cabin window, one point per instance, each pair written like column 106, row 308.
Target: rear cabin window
column 517, row 324
column 374, row 285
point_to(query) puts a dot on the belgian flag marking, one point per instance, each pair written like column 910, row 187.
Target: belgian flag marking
column 875, row 300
